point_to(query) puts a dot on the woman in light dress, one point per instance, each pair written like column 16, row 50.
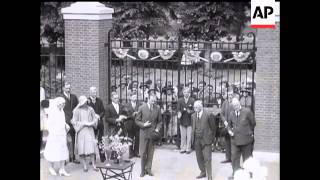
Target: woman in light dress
column 56, row 149
column 84, row 121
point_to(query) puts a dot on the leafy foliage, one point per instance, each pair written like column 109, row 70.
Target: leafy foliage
column 212, row 19
column 51, row 22
column 140, row 18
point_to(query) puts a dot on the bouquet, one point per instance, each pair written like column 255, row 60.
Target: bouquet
column 117, row 144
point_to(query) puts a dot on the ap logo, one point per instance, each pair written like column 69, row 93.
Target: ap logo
column 263, row 14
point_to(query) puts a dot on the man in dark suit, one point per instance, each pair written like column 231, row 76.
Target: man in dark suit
column 246, row 99
column 131, row 110
column 71, row 103
column 114, row 115
column 242, row 123
column 201, row 90
column 185, row 109
column 97, row 105
column 203, row 130
column 149, row 120
column 158, row 88
column 226, row 107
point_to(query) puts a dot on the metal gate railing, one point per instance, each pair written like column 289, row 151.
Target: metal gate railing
column 52, row 70
column 137, row 65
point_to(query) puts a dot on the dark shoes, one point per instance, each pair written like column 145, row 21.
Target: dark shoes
column 226, row 161
column 202, row 175
column 188, row 152
column 182, row 152
column 76, row 161
column 142, row 174
column 150, row 173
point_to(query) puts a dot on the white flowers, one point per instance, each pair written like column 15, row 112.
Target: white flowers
column 116, row 143
column 252, row 170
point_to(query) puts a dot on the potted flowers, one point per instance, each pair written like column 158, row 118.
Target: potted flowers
column 115, row 145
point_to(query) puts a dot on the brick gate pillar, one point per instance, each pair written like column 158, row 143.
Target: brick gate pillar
column 86, row 32
column 267, row 105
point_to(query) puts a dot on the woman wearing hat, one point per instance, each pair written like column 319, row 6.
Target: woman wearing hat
column 84, row 121
column 56, row 149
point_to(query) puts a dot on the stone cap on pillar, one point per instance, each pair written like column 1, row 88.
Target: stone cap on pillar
column 87, row 11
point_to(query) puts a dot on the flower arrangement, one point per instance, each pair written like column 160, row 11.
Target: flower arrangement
column 118, row 144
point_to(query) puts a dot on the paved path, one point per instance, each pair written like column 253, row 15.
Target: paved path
column 167, row 164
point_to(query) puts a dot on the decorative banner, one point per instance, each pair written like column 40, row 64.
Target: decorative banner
column 143, row 54
column 166, row 54
column 122, row 53
column 192, row 56
column 216, row 56
column 240, row 56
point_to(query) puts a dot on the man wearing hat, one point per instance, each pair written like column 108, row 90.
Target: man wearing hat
column 158, row 88
column 246, row 99
column 123, row 92
column 185, row 109
column 133, row 85
column 144, row 89
column 201, row 90
column 149, row 120
column 70, row 104
column 134, row 88
column 210, row 97
column 149, row 83
column 97, row 105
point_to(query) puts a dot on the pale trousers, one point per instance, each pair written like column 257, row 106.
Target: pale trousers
column 185, row 138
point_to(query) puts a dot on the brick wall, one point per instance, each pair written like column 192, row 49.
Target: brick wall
column 267, row 133
column 86, row 55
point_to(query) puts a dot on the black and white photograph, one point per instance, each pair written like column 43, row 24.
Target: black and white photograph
column 158, row 90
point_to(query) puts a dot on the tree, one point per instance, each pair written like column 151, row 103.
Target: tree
column 213, row 19
column 140, row 18
column 51, row 22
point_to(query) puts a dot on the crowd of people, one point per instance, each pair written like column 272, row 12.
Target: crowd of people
column 191, row 118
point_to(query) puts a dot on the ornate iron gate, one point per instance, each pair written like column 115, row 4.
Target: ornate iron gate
column 138, row 64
